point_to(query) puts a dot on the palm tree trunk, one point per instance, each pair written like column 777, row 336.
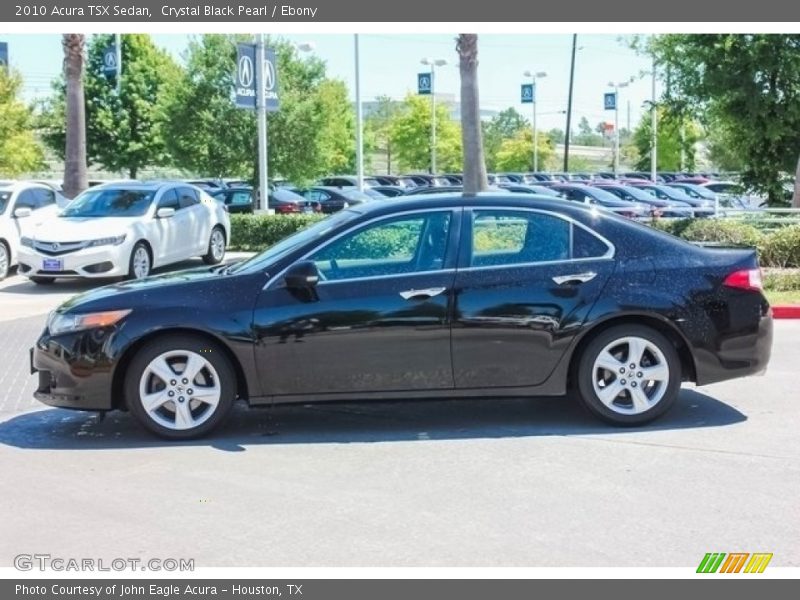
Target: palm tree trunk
column 75, row 177
column 796, row 197
column 472, row 141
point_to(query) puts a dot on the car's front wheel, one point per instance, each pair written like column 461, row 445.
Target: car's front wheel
column 140, row 262
column 216, row 247
column 5, row 260
column 180, row 386
column 629, row 375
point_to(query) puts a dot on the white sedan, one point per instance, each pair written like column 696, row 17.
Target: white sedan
column 126, row 229
column 22, row 206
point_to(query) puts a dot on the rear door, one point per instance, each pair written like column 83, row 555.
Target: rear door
column 195, row 224
column 166, row 232
column 525, row 283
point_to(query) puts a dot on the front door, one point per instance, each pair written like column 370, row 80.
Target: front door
column 526, row 282
column 377, row 321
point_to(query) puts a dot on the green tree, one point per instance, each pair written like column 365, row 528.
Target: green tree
column 586, row 135
column 676, row 131
column 503, row 126
column 516, row 154
column 411, row 136
column 19, row 150
column 378, row 128
column 751, row 83
column 122, row 130
column 312, row 133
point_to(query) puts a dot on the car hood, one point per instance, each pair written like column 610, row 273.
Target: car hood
column 78, row 229
column 119, row 293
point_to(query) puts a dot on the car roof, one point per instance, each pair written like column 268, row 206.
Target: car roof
column 13, row 186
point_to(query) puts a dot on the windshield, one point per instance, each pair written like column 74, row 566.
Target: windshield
column 355, row 195
column 673, row 193
column 638, row 194
column 110, row 203
column 4, row 198
column 285, row 195
column 294, row 241
column 700, row 191
column 604, row 196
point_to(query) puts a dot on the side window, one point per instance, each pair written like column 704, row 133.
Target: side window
column 187, row 197
column 240, row 198
column 44, row 197
column 507, row 238
column 395, row 246
column 587, row 245
column 169, row 199
column 26, row 199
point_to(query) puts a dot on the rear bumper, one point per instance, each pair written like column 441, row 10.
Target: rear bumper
column 738, row 354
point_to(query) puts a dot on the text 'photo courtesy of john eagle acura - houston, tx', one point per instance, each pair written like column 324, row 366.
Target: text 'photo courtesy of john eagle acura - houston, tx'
column 436, row 296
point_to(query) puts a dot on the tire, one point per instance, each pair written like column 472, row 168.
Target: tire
column 166, row 415
column 42, row 280
column 141, row 262
column 216, row 247
column 5, row 261
column 602, row 371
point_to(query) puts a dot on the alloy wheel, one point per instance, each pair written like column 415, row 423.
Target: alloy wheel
column 630, row 375
column 217, row 245
column 141, row 262
column 180, row 390
column 3, row 261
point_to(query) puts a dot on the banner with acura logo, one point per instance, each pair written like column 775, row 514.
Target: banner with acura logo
column 246, row 77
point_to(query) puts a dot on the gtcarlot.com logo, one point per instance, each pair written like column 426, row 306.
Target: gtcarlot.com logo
column 45, row 562
column 734, row 562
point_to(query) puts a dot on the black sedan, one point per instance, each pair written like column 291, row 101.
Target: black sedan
column 434, row 297
column 281, row 200
column 333, row 199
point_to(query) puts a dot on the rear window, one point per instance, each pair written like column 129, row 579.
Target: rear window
column 586, row 245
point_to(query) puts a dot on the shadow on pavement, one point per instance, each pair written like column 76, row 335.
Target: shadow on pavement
column 364, row 422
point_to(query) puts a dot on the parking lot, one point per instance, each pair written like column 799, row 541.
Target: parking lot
column 515, row 482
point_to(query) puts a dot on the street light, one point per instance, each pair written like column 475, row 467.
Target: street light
column 433, row 63
column 617, row 87
column 534, row 76
column 261, row 115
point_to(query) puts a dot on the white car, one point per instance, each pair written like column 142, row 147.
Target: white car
column 126, row 229
column 22, row 206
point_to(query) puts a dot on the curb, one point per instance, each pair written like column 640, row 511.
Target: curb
column 786, row 311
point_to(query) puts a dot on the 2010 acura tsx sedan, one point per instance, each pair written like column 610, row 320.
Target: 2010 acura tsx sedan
column 439, row 296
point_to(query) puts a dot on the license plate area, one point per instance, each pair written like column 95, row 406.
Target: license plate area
column 52, row 264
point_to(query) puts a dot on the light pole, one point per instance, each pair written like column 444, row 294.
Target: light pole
column 534, row 75
column 359, row 120
column 261, row 116
column 653, row 128
column 118, row 51
column 617, row 87
column 433, row 63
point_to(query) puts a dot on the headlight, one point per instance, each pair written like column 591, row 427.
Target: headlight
column 63, row 323
column 109, row 241
column 27, row 242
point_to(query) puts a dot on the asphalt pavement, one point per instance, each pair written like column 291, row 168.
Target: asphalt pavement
column 512, row 482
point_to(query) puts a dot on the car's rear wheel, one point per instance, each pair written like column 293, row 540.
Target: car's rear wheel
column 216, row 247
column 629, row 375
column 180, row 386
column 5, row 261
column 140, row 262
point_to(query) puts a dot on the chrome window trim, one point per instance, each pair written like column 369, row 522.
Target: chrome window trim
column 609, row 255
column 450, row 210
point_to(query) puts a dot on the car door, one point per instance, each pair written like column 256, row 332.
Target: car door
column 526, row 282
column 166, row 232
column 195, row 223
column 378, row 321
column 25, row 226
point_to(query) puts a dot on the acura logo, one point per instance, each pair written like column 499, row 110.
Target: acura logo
column 269, row 75
column 55, row 246
column 245, row 71
column 110, row 59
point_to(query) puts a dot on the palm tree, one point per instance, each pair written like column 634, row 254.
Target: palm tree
column 796, row 195
column 75, row 153
column 474, row 162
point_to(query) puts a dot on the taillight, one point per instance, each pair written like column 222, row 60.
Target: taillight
column 745, row 279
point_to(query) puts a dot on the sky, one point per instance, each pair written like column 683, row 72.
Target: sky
column 390, row 63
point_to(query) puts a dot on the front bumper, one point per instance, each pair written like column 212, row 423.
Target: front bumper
column 101, row 261
column 76, row 369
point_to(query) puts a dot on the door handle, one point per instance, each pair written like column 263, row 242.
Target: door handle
column 575, row 278
column 422, row 294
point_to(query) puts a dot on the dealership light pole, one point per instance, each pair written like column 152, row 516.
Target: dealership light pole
column 359, row 121
column 118, row 50
column 569, row 102
column 433, row 63
column 653, row 128
column 617, row 87
column 261, row 116
column 534, row 76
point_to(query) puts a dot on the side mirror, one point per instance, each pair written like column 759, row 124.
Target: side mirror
column 302, row 275
column 22, row 212
column 165, row 213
